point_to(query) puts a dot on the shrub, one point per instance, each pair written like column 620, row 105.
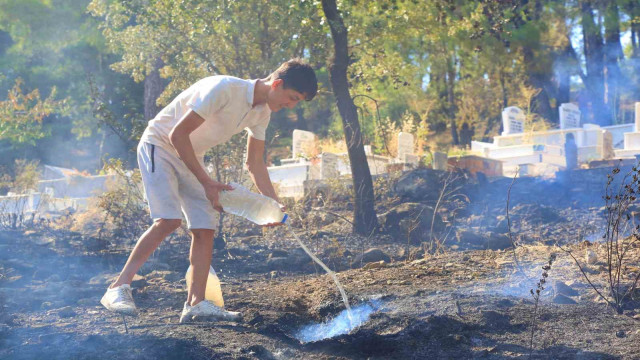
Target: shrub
column 120, row 213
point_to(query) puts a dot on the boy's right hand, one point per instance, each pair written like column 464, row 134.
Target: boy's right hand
column 212, row 190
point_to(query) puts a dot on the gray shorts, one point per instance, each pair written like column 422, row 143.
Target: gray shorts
column 171, row 189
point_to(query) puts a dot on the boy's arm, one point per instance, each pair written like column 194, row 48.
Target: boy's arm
column 179, row 137
column 258, row 169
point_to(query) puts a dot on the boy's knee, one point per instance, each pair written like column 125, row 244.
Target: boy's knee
column 168, row 225
column 202, row 234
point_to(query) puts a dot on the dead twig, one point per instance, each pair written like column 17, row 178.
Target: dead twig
column 536, row 296
column 446, row 193
column 124, row 321
column 618, row 237
column 334, row 214
column 586, row 277
column 458, row 309
column 513, row 242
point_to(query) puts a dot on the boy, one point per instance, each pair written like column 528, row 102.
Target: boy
column 170, row 157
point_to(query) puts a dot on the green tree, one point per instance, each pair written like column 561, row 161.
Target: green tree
column 56, row 44
column 22, row 114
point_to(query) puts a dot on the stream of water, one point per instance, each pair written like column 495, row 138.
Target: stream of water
column 331, row 273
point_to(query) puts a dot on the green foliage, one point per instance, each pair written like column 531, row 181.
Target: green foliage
column 198, row 38
column 56, row 44
column 128, row 128
column 444, row 62
column 22, row 114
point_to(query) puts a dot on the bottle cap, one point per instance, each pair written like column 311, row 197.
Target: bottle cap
column 286, row 216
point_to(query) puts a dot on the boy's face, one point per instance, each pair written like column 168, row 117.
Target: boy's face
column 279, row 97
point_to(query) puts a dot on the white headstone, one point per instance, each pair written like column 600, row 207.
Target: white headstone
column 512, row 120
column 303, row 143
column 440, row 161
column 405, row 144
column 638, row 117
column 569, row 116
column 367, row 150
column 329, row 166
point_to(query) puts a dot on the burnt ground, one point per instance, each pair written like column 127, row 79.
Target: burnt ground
column 461, row 302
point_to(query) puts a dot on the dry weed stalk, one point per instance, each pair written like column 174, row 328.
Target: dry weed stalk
column 536, row 297
column 449, row 194
column 513, row 242
column 620, row 236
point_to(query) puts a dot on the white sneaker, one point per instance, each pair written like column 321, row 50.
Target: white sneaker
column 119, row 300
column 206, row 309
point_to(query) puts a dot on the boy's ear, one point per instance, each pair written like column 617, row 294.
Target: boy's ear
column 277, row 83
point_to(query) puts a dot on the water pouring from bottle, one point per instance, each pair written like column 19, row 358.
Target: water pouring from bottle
column 263, row 210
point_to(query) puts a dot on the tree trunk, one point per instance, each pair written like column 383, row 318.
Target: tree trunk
column 365, row 221
column 613, row 54
column 153, row 87
column 538, row 79
column 594, row 56
column 563, row 76
column 632, row 10
column 539, row 74
column 450, row 84
column 635, row 41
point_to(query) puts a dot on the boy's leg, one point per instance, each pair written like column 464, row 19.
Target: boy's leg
column 146, row 245
column 196, row 305
column 200, row 258
column 118, row 297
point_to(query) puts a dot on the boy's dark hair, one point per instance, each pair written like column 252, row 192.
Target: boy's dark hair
column 299, row 76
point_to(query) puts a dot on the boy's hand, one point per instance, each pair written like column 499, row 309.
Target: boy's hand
column 212, row 190
column 283, row 209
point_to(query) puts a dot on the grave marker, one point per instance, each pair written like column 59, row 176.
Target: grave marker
column 329, row 166
column 569, row 116
column 303, row 143
column 513, row 120
column 440, row 161
column 405, row 144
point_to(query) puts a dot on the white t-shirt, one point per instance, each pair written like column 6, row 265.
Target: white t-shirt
column 225, row 104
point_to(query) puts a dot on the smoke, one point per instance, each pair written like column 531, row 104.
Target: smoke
column 339, row 325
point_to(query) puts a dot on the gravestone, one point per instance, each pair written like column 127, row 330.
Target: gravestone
column 569, row 116
column 405, row 144
column 440, row 161
column 329, row 166
column 367, row 150
column 304, row 143
column 607, row 145
column 512, row 120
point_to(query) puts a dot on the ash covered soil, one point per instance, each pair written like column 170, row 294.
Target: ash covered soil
column 463, row 299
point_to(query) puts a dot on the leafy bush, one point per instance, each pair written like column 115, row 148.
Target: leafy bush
column 120, row 213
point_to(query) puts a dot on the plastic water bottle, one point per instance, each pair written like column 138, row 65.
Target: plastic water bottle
column 213, row 291
column 252, row 206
